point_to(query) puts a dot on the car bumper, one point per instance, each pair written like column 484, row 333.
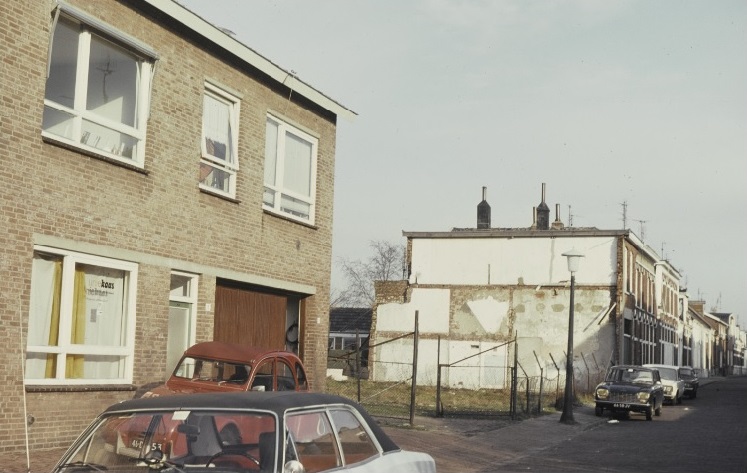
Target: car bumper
column 622, row 406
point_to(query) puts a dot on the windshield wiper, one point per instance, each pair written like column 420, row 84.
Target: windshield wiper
column 160, row 463
column 84, row 465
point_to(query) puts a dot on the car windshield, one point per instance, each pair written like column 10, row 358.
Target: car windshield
column 631, row 375
column 180, row 440
column 686, row 373
column 212, row 370
column 669, row 374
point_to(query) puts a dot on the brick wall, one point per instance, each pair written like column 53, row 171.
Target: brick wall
column 52, row 191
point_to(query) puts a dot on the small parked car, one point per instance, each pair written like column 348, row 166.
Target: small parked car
column 272, row 432
column 692, row 383
column 630, row 388
column 674, row 387
column 218, row 366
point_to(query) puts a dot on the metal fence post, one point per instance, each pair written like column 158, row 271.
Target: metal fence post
column 439, row 407
column 358, row 362
column 415, row 339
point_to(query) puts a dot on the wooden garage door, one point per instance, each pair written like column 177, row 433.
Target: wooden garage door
column 249, row 317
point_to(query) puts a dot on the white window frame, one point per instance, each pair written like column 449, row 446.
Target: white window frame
column 230, row 165
column 144, row 58
column 277, row 188
column 64, row 347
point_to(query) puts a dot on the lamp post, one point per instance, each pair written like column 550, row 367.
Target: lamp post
column 574, row 257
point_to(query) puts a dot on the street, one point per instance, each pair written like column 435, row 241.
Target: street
column 706, row 434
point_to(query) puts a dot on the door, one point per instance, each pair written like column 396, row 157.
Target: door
column 248, row 317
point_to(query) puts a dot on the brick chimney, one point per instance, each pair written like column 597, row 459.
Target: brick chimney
column 543, row 213
column 557, row 224
column 483, row 211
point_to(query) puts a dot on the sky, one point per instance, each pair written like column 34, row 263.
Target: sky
column 620, row 104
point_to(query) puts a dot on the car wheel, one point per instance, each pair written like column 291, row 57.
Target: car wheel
column 650, row 413
column 678, row 396
column 598, row 411
column 694, row 394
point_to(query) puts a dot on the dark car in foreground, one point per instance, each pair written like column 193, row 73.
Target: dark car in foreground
column 630, row 388
column 227, row 367
column 692, row 382
column 272, row 432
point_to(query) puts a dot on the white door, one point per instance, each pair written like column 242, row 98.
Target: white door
column 179, row 334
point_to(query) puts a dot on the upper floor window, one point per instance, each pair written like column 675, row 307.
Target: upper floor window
column 219, row 161
column 81, row 319
column 98, row 87
column 290, row 171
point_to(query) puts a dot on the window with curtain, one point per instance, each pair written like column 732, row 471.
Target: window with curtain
column 219, row 161
column 97, row 93
column 81, row 319
column 290, row 171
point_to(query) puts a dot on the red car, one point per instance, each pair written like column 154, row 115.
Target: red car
column 218, row 366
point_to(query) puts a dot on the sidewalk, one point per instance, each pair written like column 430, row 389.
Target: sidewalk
column 474, row 445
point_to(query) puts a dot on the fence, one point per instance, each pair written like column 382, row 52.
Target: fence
column 494, row 381
column 395, row 396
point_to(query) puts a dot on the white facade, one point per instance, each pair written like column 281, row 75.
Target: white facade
column 478, row 293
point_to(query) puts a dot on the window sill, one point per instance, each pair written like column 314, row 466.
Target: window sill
column 218, row 195
column 92, row 154
column 80, row 388
column 289, row 219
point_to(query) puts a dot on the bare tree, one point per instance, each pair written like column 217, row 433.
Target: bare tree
column 386, row 263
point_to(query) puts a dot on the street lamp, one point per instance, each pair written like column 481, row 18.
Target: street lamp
column 574, row 257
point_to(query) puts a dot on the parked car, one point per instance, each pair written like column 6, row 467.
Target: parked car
column 674, row 387
column 630, row 388
column 218, row 366
column 692, row 383
column 287, row 432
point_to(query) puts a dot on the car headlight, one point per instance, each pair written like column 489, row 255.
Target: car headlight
column 603, row 393
column 642, row 396
column 668, row 389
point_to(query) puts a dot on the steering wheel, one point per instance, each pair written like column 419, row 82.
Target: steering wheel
column 229, row 453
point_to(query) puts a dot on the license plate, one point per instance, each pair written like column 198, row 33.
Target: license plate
column 621, row 405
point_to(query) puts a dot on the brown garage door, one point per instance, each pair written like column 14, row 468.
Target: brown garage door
column 249, row 317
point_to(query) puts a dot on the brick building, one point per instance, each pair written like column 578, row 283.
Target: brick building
column 170, row 186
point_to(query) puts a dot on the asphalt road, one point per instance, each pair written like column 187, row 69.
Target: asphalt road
column 706, row 434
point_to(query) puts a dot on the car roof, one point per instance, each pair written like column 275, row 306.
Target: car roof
column 277, row 402
column 653, row 365
column 634, row 367
column 232, row 352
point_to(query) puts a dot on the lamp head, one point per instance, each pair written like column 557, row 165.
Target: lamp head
column 574, row 257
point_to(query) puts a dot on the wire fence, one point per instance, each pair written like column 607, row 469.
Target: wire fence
column 501, row 379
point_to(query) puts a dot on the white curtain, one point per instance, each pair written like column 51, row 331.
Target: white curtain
column 216, row 128
column 42, row 292
column 297, row 175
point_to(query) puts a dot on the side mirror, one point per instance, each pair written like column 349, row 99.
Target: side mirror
column 294, row 466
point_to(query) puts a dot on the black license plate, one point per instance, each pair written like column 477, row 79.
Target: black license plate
column 620, row 405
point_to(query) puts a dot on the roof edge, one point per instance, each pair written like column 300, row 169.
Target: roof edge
column 199, row 25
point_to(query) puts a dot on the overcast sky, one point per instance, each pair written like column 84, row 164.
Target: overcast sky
column 642, row 102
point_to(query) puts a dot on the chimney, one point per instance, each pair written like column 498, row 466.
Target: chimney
column 483, row 211
column 557, row 224
column 534, row 219
column 543, row 213
column 697, row 306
